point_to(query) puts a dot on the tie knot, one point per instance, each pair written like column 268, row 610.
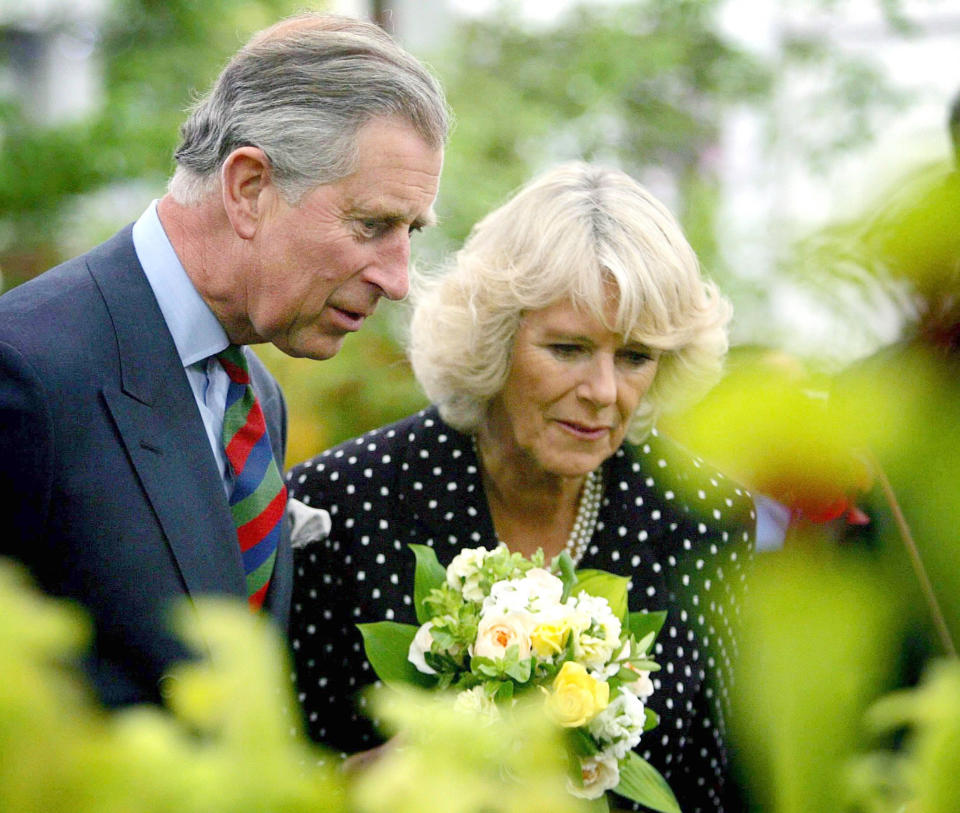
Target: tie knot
column 235, row 363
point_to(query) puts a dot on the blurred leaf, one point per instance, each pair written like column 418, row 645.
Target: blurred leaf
column 924, row 771
column 772, row 425
column 816, row 628
column 232, row 744
column 515, row 764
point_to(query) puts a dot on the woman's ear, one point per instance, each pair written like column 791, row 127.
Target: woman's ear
column 246, row 179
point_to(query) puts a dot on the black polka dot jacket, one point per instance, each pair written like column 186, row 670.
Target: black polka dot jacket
column 678, row 529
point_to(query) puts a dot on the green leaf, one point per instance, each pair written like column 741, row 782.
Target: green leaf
column 387, row 644
column 581, row 743
column 567, row 573
column 504, row 692
column 642, row 624
column 604, row 585
column 428, row 575
column 644, row 644
column 650, row 719
column 520, row 671
column 641, row 782
column 486, row 667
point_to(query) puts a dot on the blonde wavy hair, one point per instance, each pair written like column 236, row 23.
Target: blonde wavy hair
column 568, row 234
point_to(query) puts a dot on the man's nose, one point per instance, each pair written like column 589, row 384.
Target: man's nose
column 391, row 272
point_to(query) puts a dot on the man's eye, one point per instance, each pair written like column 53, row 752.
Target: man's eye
column 368, row 228
column 415, row 227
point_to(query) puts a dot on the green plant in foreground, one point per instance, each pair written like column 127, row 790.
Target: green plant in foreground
column 226, row 746
column 921, row 777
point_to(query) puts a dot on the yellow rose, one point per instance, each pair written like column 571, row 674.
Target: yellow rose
column 577, row 696
column 549, row 638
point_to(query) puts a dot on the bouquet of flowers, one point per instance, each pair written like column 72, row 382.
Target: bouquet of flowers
column 495, row 625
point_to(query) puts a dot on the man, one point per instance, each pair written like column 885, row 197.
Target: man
column 299, row 180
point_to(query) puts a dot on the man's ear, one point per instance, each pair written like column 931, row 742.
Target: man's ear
column 246, row 178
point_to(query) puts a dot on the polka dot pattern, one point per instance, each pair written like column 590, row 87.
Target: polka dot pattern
column 679, row 530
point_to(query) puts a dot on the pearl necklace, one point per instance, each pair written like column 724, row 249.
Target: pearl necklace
column 587, row 512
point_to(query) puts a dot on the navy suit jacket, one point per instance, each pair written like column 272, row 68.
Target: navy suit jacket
column 113, row 496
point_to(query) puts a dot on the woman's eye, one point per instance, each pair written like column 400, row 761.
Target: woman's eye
column 561, row 350
column 636, row 358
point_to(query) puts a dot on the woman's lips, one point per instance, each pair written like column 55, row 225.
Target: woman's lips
column 584, row 431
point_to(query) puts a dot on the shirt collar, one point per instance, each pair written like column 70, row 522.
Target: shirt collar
column 195, row 330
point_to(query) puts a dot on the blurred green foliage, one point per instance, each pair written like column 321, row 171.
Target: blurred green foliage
column 924, row 778
column 815, row 724
column 229, row 744
column 892, row 268
column 470, row 761
column 850, row 610
column 231, row 740
column 817, row 627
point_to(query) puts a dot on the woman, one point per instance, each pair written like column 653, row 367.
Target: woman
column 571, row 317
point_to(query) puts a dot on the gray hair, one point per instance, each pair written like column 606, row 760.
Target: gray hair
column 568, row 234
column 301, row 91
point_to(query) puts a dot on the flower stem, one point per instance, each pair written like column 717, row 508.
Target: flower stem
column 939, row 621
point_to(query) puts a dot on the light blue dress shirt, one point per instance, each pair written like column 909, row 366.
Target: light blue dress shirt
column 195, row 330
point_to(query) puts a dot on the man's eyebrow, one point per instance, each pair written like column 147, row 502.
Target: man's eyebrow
column 429, row 218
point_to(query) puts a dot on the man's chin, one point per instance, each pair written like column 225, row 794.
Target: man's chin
column 321, row 350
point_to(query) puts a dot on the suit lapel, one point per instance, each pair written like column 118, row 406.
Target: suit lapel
column 161, row 428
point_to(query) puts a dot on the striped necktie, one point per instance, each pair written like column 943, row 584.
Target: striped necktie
column 259, row 495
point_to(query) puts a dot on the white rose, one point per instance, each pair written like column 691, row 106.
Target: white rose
column 545, row 589
column 421, row 643
column 463, row 573
column 600, row 773
column 598, row 631
column 620, row 724
column 537, row 591
column 507, row 596
column 498, row 631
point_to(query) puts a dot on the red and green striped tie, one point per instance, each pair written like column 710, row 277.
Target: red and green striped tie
column 259, row 495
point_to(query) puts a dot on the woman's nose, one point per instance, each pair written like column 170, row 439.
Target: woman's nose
column 599, row 383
